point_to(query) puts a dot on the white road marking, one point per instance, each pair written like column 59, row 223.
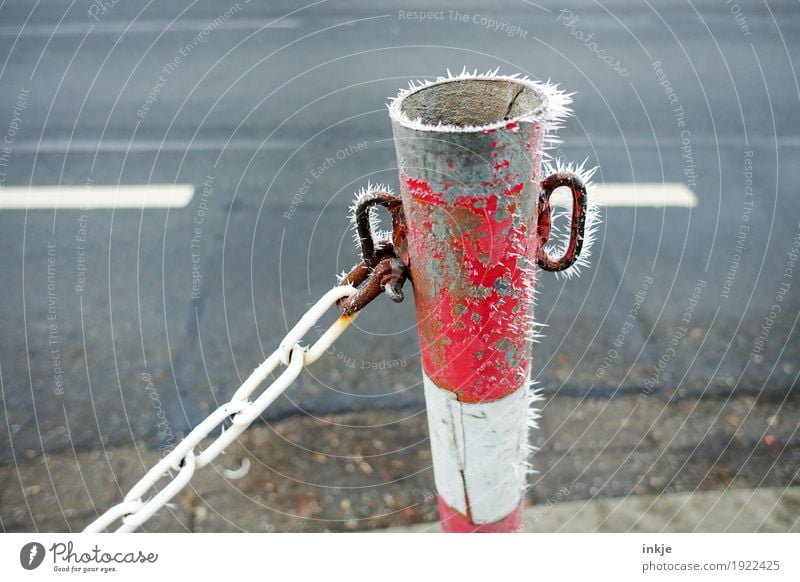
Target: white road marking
column 61, row 146
column 123, row 196
column 147, row 26
column 642, row 194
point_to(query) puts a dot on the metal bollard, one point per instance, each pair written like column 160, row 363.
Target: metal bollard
column 476, row 217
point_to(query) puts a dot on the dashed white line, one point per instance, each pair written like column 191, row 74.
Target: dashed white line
column 122, row 196
column 641, row 194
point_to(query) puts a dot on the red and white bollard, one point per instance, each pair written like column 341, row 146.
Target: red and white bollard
column 476, row 219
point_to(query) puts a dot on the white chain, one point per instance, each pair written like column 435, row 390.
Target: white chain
column 134, row 510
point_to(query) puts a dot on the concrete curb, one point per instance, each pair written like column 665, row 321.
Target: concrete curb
column 769, row 509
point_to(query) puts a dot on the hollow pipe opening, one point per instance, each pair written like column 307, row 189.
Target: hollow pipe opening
column 472, row 103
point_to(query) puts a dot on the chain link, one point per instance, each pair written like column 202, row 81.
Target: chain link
column 134, row 510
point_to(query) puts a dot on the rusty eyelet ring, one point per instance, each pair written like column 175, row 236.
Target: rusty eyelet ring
column 380, row 270
column 573, row 251
column 362, row 219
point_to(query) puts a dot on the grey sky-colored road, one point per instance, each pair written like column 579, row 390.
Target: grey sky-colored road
column 253, row 101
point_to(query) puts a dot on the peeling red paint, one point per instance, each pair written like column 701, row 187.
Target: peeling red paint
column 514, row 190
column 472, row 251
column 472, row 335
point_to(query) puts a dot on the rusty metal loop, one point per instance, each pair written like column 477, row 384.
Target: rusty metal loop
column 573, row 251
column 364, row 228
column 381, row 270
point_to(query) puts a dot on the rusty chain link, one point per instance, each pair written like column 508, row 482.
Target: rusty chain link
column 381, row 269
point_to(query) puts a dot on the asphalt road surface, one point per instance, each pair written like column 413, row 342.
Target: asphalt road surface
column 119, row 321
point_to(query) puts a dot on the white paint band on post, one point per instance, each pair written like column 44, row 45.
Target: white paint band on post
column 479, row 451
